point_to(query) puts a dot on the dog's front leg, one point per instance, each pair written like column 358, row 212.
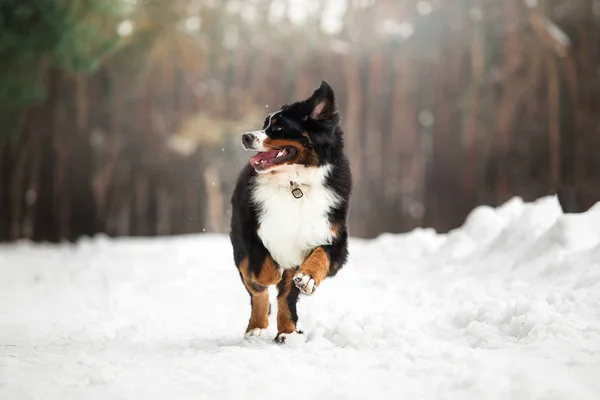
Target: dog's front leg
column 268, row 273
column 258, row 272
column 312, row 271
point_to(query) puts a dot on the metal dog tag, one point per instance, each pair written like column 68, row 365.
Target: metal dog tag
column 297, row 193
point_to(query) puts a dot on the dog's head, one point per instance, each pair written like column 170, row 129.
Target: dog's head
column 300, row 134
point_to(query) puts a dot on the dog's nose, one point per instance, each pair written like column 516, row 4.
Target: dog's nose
column 247, row 139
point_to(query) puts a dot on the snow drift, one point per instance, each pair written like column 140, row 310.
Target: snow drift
column 506, row 307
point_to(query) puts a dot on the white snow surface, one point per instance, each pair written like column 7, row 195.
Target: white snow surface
column 506, row 307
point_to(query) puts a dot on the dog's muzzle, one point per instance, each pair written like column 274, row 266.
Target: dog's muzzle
column 254, row 140
column 247, row 140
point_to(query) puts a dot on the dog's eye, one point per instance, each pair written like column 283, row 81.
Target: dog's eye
column 276, row 129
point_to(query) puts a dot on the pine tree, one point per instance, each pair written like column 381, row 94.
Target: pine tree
column 37, row 36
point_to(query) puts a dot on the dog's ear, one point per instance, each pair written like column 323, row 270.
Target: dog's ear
column 322, row 103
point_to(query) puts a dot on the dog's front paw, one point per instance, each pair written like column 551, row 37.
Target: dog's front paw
column 305, row 283
column 281, row 337
column 255, row 332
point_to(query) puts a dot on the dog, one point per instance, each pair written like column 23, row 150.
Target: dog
column 289, row 208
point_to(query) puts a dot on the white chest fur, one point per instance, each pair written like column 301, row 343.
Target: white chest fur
column 290, row 228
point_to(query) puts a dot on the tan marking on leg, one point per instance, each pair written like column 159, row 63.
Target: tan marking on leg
column 259, row 317
column 285, row 321
column 316, row 265
column 259, row 299
column 269, row 274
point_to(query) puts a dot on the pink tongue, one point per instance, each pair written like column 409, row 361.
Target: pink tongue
column 266, row 156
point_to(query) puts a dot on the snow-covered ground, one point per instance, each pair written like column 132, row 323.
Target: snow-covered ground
column 506, row 307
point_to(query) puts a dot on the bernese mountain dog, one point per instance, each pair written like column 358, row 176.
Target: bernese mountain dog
column 289, row 208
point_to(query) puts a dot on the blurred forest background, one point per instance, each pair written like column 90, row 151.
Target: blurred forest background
column 125, row 116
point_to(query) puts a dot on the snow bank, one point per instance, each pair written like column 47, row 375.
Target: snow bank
column 506, row 307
